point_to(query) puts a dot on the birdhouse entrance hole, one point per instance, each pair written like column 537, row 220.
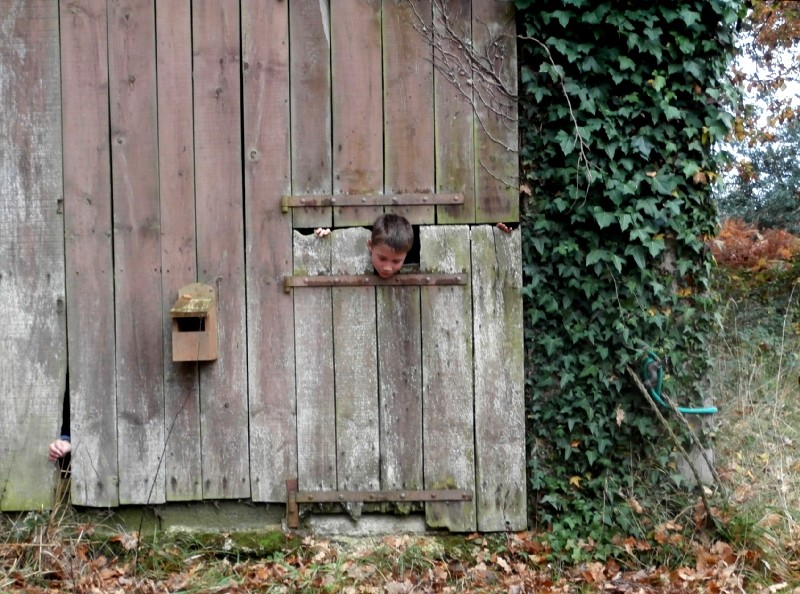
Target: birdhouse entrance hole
column 194, row 324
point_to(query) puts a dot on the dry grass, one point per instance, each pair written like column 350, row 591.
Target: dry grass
column 756, row 376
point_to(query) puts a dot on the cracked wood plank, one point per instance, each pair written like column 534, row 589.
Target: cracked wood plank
column 499, row 379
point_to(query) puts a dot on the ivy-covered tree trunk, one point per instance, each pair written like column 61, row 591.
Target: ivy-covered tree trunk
column 620, row 106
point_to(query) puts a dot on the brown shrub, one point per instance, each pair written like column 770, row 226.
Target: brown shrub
column 741, row 245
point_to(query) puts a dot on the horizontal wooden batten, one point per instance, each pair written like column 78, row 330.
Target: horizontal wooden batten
column 320, row 200
column 295, row 497
column 372, row 280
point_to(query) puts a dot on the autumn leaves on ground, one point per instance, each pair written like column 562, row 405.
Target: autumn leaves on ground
column 740, row 536
column 76, row 559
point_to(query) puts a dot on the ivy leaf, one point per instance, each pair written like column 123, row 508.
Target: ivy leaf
column 657, row 82
column 672, row 113
column 656, row 246
column 595, row 256
column 566, row 142
column 604, row 219
column 562, row 16
column 637, row 252
column 690, row 168
column 694, row 68
column 625, row 221
column 643, row 145
column 689, row 16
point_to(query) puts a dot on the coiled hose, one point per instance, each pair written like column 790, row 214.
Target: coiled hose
column 652, row 370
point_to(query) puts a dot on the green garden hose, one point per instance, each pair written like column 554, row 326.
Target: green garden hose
column 652, row 370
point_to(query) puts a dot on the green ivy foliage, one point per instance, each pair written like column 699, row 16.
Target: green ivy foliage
column 620, row 106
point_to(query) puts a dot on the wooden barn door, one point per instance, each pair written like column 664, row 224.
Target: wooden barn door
column 414, row 389
column 191, row 133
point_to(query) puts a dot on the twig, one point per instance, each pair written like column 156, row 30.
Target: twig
column 475, row 75
column 695, row 440
column 674, row 437
column 579, row 141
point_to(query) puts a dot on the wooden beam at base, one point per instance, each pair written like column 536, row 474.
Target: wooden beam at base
column 295, row 497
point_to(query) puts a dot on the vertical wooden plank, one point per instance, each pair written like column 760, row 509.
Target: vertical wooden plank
column 310, row 66
column 408, row 104
column 357, row 106
column 270, row 315
column 220, row 244
column 408, row 121
column 400, row 387
column 497, row 162
column 137, row 250
column 33, row 338
column 316, row 420
column 355, row 365
column 455, row 162
column 178, row 246
column 447, row 389
column 89, row 266
column 499, row 379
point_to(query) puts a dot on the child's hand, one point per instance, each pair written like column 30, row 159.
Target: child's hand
column 504, row 228
column 58, row 449
column 320, row 232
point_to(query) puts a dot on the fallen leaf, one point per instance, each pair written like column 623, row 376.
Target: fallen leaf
column 635, row 506
column 620, row 416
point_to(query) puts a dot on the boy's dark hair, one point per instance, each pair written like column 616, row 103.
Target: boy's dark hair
column 394, row 231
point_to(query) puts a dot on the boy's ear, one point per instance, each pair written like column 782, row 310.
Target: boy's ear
column 369, row 244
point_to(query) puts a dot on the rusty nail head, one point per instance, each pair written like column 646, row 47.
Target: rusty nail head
column 433, row 495
column 302, row 200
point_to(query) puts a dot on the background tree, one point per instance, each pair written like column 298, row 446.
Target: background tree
column 761, row 167
column 765, row 186
column 768, row 67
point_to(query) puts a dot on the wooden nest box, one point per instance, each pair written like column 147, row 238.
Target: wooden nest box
column 194, row 324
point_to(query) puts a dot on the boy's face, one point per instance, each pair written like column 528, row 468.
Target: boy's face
column 385, row 260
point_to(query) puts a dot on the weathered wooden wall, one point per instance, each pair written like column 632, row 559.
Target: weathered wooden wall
column 183, row 125
column 33, row 357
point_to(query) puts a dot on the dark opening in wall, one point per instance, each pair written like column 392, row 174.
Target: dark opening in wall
column 196, row 324
column 413, row 254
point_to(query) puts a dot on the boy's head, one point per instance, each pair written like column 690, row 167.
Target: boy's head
column 392, row 238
